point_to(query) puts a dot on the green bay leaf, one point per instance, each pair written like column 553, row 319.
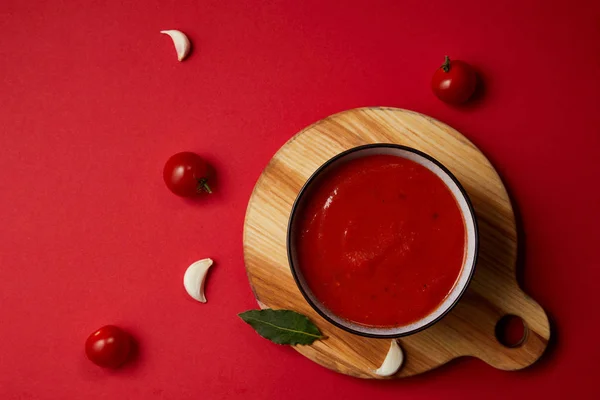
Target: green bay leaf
column 282, row 326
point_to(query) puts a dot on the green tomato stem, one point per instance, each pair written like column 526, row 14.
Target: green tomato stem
column 203, row 186
column 446, row 64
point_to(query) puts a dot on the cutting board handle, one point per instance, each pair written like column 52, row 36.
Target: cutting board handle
column 535, row 340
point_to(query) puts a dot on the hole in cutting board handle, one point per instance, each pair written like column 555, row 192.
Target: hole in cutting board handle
column 511, row 331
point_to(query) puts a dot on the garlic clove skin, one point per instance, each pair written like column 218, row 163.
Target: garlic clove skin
column 194, row 278
column 181, row 42
column 393, row 360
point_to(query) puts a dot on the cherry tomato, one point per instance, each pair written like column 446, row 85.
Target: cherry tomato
column 454, row 82
column 186, row 174
column 108, row 347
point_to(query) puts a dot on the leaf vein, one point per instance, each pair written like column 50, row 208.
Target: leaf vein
column 282, row 328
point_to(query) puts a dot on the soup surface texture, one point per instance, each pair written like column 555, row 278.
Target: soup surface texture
column 380, row 240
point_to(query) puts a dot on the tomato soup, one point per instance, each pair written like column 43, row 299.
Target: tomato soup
column 380, row 240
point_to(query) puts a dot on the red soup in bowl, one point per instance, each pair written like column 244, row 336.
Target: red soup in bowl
column 382, row 240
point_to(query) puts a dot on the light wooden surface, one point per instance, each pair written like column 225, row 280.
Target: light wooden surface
column 469, row 329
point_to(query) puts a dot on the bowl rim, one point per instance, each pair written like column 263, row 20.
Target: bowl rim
column 303, row 190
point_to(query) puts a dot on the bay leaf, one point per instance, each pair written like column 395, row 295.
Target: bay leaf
column 282, row 326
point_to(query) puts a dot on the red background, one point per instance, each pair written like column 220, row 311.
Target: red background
column 93, row 102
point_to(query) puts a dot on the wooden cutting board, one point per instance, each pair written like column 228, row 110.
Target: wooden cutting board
column 469, row 329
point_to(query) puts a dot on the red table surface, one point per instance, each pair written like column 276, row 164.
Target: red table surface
column 93, row 102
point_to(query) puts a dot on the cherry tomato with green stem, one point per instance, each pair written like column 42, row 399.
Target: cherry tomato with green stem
column 186, row 174
column 454, row 82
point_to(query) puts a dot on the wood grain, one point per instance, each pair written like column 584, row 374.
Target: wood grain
column 469, row 329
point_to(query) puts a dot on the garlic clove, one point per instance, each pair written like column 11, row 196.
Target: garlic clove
column 181, row 42
column 393, row 360
column 262, row 305
column 194, row 277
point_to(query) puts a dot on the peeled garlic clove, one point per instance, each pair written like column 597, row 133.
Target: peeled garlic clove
column 194, row 277
column 393, row 361
column 181, row 42
column 262, row 305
